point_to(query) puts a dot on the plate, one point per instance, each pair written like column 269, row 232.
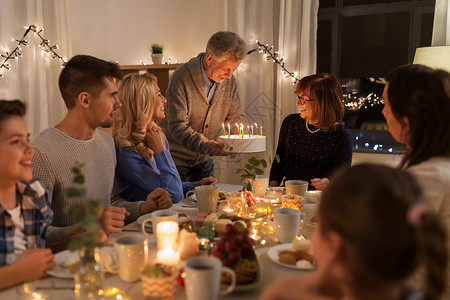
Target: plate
column 273, row 255
column 60, row 257
column 142, row 218
column 187, row 201
column 63, row 272
column 181, row 220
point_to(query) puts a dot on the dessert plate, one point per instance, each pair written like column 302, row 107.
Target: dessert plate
column 273, row 255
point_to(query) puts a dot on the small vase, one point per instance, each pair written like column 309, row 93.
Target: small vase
column 157, row 58
column 88, row 276
column 248, row 203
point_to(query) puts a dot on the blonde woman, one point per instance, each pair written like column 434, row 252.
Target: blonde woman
column 144, row 162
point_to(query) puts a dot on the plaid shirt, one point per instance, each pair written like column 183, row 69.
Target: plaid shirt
column 37, row 215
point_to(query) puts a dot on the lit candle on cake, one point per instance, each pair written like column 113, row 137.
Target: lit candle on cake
column 238, row 129
column 242, row 130
column 229, row 130
column 248, row 129
column 252, row 130
column 260, row 130
column 223, row 126
column 256, row 128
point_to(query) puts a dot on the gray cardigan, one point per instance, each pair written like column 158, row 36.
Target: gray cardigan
column 191, row 122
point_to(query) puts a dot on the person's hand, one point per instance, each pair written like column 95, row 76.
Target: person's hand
column 33, row 263
column 320, row 183
column 206, row 181
column 154, row 138
column 113, row 219
column 273, row 183
column 216, row 149
column 158, row 199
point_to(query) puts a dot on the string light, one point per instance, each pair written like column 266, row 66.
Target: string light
column 168, row 62
column 44, row 44
column 275, row 57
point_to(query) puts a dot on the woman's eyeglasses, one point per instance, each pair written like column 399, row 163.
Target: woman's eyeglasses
column 301, row 99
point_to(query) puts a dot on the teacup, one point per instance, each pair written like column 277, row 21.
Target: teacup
column 131, row 252
column 296, row 187
column 202, row 278
column 159, row 216
column 207, row 196
column 287, row 223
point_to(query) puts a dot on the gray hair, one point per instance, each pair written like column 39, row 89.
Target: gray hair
column 226, row 44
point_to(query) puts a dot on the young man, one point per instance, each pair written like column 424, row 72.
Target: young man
column 202, row 94
column 88, row 87
column 24, row 211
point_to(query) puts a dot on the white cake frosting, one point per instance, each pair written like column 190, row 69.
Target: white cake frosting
column 246, row 144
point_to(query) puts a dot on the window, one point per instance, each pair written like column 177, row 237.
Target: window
column 360, row 41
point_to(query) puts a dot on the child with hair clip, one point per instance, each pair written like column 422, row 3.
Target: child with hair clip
column 373, row 234
column 24, row 211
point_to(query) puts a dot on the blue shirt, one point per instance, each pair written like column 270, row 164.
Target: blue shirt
column 136, row 176
column 210, row 86
column 32, row 197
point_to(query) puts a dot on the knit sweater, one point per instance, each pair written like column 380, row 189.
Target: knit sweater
column 137, row 176
column 54, row 157
column 191, row 121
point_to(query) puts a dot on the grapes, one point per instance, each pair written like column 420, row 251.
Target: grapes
column 234, row 243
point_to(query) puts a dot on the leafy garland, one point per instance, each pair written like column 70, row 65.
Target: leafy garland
column 45, row 44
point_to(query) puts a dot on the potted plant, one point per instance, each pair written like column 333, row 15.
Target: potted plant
column 157, row 53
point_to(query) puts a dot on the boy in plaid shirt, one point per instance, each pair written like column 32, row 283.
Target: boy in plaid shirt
column 24, row 211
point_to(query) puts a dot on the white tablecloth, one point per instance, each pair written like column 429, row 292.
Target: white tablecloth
column 270, row 272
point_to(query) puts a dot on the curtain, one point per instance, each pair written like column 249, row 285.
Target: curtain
column 33, row 78
column 266, row 96
column 441, row 25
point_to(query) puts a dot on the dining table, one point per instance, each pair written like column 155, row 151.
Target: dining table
column 269, row 271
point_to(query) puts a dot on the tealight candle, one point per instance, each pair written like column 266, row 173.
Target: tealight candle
column 168, row 256
column 166, row 234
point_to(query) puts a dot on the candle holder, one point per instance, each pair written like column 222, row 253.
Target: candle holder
column 166, row 243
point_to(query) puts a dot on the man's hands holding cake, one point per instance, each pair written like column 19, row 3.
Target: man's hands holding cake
column 216, row 149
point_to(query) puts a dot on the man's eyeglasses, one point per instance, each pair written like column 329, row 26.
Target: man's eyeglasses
column 301, row 99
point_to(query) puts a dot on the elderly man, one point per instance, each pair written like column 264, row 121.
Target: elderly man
column 202, row 94
column 88, row 87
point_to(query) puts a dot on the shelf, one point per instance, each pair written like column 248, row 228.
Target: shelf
column 161, row 71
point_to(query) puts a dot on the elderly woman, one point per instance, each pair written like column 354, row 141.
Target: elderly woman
column 144, row 162
column 417, row 110
column 314, row 143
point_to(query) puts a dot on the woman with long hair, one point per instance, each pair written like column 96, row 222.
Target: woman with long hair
column 144, row 162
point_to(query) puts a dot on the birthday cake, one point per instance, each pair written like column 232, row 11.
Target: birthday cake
column 244, row 144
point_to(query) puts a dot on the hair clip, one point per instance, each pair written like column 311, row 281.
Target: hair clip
column 415, row 213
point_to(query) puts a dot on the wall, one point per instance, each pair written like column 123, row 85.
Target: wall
column 124, row 30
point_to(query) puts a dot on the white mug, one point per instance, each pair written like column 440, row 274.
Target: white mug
column 207, row 196
column 296, row 187
column 287, row 223
column 260, row 184
column 131, row 252
column 159, row 216
column 202, row 278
